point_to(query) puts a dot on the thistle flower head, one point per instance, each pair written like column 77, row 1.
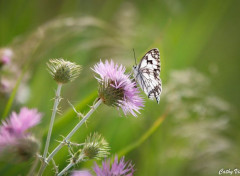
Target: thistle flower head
column 95, row 146
column 116, row 88
column 15, row 143
column 19, row 123
column 63, row 71
column 120, row 168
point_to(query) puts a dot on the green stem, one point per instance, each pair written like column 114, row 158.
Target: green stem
column 56, row 103
column 70, row 165
column 43, row 166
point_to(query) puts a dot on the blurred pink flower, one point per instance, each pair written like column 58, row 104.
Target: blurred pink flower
column 6, row 56
column 15, row 128
column 81, row 173
column 5, row 86
column 124, row 93
column 120, row 168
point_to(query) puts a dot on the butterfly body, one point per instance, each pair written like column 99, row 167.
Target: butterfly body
column 147, row 72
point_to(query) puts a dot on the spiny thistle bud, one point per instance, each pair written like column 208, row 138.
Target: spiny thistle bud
column 63, row 71
column 22, row 150
column 96, row 147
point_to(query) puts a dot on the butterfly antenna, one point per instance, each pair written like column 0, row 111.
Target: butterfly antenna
column 134, row 56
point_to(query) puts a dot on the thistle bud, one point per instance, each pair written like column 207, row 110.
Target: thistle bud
column 27, row 148
column 95, row 147
column 21, row 150
column 63, row 71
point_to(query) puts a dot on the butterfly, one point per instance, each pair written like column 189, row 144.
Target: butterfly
column 147, row 72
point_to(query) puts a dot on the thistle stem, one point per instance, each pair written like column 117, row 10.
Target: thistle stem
column 43, row 166
column 70, row 165
column 56, row 102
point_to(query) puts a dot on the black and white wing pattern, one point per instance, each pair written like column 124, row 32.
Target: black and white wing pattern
column 147, row 74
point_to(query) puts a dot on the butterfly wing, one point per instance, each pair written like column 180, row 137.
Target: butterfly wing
column 147, row 74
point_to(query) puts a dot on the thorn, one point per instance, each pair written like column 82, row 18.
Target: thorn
column 69, row 160
column 42, row 159
column 70, row 150
column 79, row 114
column 62, row 137
column 59, row 141
column 92, row 107
column 76, row 144
column 59, row 98
column 45, row 161
column 55, row 167
column 86, row 123
column 59, row 111
column 64, row 141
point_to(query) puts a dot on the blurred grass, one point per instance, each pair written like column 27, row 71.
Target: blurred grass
column 143, row 138
column 12, row 96
column 200, row 34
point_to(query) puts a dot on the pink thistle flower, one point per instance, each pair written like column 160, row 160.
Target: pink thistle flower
column 117, row 89
column 120, row 168
column 81, row 173
column 19, row 123
column 14, row 139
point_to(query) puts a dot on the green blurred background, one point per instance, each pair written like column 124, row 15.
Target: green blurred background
column 199, row 45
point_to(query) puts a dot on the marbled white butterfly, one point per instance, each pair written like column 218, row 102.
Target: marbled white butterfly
column 146, row 74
